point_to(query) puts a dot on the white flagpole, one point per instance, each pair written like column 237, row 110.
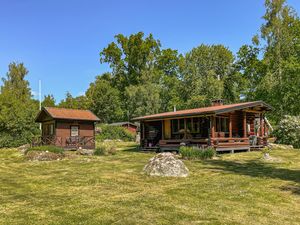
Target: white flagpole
column 40, row 99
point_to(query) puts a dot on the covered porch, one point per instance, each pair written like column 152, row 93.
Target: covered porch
column 233, row 130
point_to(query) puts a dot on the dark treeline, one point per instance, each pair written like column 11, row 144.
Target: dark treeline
column 146, row 79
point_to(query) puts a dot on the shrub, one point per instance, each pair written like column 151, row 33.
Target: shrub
column 106, row 149
column 288, row 131
column 44, row 148
column 114, row 133
column 196, row 153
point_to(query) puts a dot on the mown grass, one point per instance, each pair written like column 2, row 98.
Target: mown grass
column 231, row 189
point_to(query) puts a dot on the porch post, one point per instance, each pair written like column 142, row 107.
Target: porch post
column 163, row 130
column 230, row 126
column 184, row 128
column 213, row 122
column 261, row 125
column 245, row 124
column 143, row 130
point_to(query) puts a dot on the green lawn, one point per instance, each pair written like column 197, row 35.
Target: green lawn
column 232, row 189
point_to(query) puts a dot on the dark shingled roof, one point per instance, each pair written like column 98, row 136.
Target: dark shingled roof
column 206, row 110
column 68, row 114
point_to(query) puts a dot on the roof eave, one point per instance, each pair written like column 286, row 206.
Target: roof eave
column 173, row 116
column 258, row 103
column 43, row 109
column 220, row 111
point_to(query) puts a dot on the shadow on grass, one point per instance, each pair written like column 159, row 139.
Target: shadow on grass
column 291, row 188
column 132, row 149
column 256, row 168
column 138, row 150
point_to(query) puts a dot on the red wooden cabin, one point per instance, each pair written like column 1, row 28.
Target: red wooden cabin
column 129, row 126
column 67, row 128
column 231, row 127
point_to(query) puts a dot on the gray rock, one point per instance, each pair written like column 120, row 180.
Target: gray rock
column 267, row 156
column 166, row 165
column 82, row 151
column 23, row 148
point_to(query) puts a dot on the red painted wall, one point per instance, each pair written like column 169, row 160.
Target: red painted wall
column 63, row 129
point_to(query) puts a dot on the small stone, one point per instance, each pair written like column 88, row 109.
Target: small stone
column 85, row 151
column 23, row 148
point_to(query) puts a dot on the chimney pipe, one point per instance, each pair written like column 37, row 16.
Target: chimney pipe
column 217, row 102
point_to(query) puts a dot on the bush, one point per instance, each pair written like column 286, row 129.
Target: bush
column 9, row 140
column 288, row 131
column 106, row 149
column 196, row 153
column 114, row 133
column 44, row 148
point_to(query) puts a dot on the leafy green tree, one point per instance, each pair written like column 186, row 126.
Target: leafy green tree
column 143, row 99
column 168, row 63
column 49, row 101
column 251, row 67
column 273, row 78
column 137, row 60
column 18, row 110
column 79, row 102
column 208, row 72
column 104, row 100
column 129, row 56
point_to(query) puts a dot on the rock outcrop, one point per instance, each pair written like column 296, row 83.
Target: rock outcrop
column 43, row 156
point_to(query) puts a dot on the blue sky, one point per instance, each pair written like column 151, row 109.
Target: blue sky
column 59, row 41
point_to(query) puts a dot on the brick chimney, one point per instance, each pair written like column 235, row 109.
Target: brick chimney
column 217, row 102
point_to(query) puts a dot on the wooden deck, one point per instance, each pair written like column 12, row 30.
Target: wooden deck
column 220, row 144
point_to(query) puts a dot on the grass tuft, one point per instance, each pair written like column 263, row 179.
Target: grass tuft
column 196, row 153
column 44, row 148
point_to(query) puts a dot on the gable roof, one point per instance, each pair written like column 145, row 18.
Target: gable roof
column 67, row 114
column 206, row 110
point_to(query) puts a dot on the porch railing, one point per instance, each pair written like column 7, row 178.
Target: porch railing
column 47, row 140
column 228, row 142
column 71, row 142
column 84, row 142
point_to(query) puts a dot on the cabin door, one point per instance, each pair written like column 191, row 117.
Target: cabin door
column 153, row 133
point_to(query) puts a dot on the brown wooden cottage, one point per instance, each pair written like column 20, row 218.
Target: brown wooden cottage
column 231, row 127
column 67, row 128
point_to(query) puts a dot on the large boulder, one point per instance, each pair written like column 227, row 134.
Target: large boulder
column 166, row 165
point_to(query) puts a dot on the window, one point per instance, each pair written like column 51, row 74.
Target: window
column 51, row 129
column 189, row 124
column 74, row 131
column 196, row 126
column 222, row 124
column 48, row 129
column 177, row 125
